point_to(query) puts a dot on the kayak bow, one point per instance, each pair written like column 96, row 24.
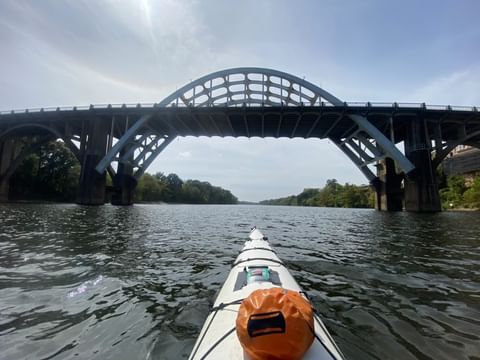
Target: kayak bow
column 256, row 267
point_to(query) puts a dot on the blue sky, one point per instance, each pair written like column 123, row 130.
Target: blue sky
column 83, row 52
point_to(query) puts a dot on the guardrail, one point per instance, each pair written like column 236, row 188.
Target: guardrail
column 365, row 105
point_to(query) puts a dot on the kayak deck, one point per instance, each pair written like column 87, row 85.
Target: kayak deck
column 218, row 338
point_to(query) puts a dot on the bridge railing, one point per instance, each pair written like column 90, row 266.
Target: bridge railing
column 365, row 105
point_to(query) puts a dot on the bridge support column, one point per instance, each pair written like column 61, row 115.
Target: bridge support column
column 93, row 149
column 4, row 189
column 124, row 184
column 421, row 187
column 8, row 151
column 388, row 187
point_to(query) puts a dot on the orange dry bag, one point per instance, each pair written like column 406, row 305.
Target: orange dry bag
column 275, row 324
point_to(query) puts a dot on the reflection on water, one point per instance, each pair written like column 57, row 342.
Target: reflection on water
column 124, row 283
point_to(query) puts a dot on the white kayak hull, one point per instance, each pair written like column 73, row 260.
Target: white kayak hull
column 218, row 338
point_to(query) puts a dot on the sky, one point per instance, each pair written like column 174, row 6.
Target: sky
column 80, row 52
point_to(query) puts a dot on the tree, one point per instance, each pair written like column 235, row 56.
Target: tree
column 149, row 188
column 56, row 162
column 175, row 187
column 193, row 194
column 472, row 195
column 172, row 189
column 332, row 194
column 452, row 195
column 51, row 172
column 304, row 198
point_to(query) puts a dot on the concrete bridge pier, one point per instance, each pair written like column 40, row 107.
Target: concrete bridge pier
column 124, row 183
column 4, row 189
column 421, row 187
column 6, row 155
column 93, row 148
column 9, row 150
column 388, row 187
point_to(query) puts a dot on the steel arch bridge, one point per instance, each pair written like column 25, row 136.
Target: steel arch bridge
column 258, row 89
column 250, row 102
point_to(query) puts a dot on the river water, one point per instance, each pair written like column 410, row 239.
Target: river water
column 137, row 282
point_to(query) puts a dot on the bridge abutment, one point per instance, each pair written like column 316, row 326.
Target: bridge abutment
column 91, row 189
column 421, row 187
column 388, row 187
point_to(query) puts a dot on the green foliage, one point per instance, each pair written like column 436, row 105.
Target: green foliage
column 472, row 195
column 151, row 188
column 171, row 188
column 51, row 173
column 457, row 194
column 289, row 200
column 354, row 196
column 332, row 194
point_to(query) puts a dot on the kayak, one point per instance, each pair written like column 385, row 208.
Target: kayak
column 257, row 268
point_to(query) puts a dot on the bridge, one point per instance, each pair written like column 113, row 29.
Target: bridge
column 124, row 139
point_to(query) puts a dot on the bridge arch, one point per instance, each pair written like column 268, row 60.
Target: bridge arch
column 250, row 87
column 450, row 146
column 17, row 151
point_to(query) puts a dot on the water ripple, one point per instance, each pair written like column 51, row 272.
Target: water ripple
column 122, row 283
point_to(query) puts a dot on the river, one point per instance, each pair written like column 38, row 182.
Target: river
column 137, row 282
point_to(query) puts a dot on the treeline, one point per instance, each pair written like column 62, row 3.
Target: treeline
column 461, row 192
column 171, row 189
column 332, row 194
column 52, row 172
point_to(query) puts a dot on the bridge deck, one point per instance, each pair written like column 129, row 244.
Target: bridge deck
column 255, row 121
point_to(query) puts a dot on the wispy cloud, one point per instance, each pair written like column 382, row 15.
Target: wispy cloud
column 461, row 87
